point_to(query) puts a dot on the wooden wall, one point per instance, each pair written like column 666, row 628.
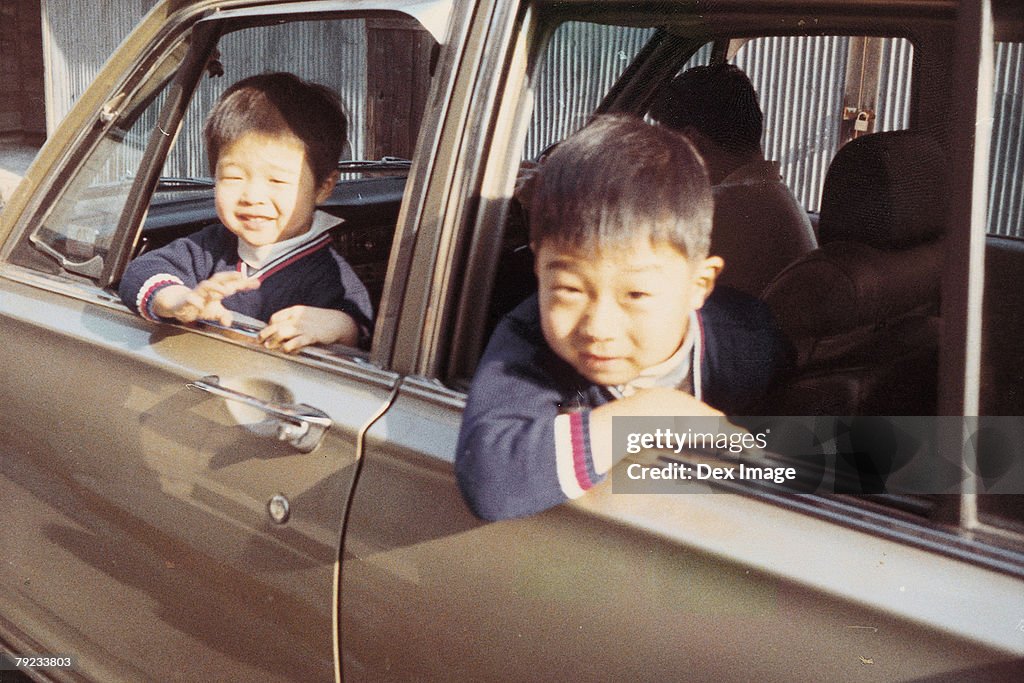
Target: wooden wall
column 22, row 108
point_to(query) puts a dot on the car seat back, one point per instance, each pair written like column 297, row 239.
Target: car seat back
column 862, row 309
column 758, row 229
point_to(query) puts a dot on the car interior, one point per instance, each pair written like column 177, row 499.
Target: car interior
column 861, row 308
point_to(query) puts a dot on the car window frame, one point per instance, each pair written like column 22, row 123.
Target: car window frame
column 103, row 108
column 205, row 28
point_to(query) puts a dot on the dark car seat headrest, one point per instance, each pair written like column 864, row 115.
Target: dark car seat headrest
column 880, row 254
column 885, row 190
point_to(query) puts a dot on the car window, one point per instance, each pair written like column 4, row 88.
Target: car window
column 384, row 106
column 381, row 67
column 77, row 231
column 819, row 93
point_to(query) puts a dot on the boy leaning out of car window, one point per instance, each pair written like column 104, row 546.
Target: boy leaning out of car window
column 626, row 322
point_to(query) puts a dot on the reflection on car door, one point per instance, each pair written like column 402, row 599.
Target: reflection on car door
column 151, row 497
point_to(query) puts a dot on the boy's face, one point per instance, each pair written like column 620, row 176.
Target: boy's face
column 615, row 313
column 265, row 189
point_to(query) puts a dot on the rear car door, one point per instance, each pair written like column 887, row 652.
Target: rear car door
column 176, row 494
column 702, row 583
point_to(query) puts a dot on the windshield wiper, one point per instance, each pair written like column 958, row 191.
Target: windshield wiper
column 169, row 184
column 384, row 164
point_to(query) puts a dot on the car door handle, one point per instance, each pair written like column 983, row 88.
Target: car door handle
column 300, row 425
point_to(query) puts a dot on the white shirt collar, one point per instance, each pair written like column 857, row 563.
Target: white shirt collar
column 672, row 371
column 257, row 257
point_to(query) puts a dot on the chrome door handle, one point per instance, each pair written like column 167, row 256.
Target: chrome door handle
column 300, row 425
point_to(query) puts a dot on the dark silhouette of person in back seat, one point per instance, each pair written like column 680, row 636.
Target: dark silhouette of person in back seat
column 759, row 226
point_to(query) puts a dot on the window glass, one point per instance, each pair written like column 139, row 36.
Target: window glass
column 77, row 231
column 818, row 92
column 580, row 64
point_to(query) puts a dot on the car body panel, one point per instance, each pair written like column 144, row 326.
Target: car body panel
column 154, row 500
column 701, row 584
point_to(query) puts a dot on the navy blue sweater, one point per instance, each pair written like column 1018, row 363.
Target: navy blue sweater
column 524, row 445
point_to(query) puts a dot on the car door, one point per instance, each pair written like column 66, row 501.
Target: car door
column 701, row 583
column 176, row 494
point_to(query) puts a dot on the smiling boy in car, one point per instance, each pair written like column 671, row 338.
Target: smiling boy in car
column 624, row 322
column 273, row 142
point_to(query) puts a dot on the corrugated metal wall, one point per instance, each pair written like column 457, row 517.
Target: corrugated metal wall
column 78, row 37
column 801, row 100
column 894, row 86
column 801, row 82
column 579, row 66
column 331, row 53
column 1006, row 198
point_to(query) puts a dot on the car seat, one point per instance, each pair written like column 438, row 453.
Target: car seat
column 758, row 229
column 862, row 309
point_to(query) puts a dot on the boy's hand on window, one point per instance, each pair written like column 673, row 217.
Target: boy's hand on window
column 653, row 402
column 204, row 301
column 293, row 328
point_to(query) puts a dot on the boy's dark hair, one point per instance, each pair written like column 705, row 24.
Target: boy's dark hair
column 719, row 101
column 620, row 179
column 280, row 104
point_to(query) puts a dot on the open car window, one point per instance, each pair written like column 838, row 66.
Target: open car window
column 819, row 93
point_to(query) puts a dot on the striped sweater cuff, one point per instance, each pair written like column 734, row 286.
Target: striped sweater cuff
column 573, row 455
column 144, row 299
